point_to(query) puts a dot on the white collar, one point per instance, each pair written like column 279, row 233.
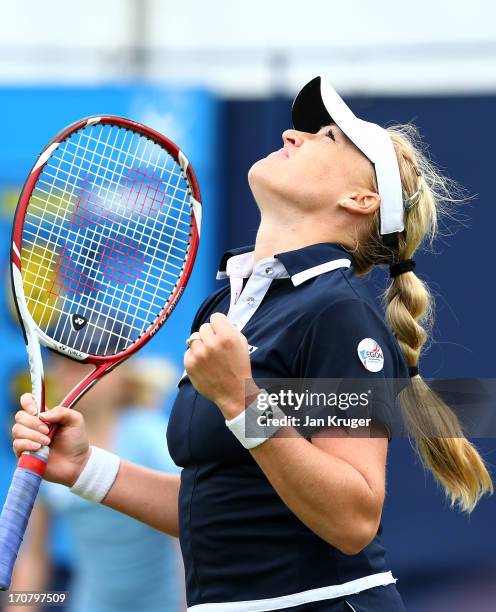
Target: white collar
column 241, row 266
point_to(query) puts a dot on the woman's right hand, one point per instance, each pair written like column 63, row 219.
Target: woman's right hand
column 69, row 450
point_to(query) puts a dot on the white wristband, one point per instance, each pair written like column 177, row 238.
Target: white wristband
column 98, row 475
column 252, row 431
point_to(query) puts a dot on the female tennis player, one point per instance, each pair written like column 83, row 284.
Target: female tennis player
column 277, row 520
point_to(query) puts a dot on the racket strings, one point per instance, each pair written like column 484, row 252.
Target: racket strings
column 138, row 228
column 98, row 166
column 141, row 320
column 105, row 237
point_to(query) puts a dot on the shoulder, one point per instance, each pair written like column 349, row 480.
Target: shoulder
column 350, row 319
column 343, row 320
column 330, row 292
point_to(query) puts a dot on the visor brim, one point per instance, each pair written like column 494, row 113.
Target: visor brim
column 309, row 113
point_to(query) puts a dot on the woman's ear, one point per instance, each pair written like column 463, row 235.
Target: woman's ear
column 361, row 203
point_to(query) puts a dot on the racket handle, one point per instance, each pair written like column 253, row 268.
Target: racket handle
column 16, row 512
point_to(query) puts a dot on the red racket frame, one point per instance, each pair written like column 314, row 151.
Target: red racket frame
column 31, row 465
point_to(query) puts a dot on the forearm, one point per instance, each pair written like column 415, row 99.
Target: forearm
column 147, row 496
column 326, row 493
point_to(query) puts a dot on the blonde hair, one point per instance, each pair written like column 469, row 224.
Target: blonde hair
column 437, row 433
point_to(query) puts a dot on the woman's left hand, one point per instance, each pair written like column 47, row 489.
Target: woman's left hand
column 218, row 364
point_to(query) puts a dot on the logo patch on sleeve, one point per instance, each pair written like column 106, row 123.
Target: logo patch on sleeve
column 371, row 355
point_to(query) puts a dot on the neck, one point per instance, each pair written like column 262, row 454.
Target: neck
column 279, row 234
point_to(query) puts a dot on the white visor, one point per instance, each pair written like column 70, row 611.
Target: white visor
column 317, row 105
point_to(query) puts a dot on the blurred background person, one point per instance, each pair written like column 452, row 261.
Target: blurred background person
column 117, row 563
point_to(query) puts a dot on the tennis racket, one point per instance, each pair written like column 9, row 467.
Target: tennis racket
column 104, row 240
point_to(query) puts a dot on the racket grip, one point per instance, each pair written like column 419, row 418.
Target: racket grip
column 14, row 518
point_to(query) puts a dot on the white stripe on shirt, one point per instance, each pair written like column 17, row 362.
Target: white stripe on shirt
column 297, row 599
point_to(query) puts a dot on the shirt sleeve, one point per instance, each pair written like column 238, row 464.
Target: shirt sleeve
column 350, row 346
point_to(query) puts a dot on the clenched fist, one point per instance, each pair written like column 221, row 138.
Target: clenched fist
column 218, row 364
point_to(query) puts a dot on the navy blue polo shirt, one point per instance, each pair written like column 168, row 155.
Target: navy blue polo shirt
column 304, row 313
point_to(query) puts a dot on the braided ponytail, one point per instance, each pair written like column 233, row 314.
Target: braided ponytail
column 438, row 436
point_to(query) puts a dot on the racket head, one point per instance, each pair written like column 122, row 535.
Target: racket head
column 105, row 236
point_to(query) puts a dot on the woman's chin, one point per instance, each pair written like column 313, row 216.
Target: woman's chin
column 256, row 174
column 260, row 180
column 262, row 172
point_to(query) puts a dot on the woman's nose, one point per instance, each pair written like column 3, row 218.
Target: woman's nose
column 292, row 137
